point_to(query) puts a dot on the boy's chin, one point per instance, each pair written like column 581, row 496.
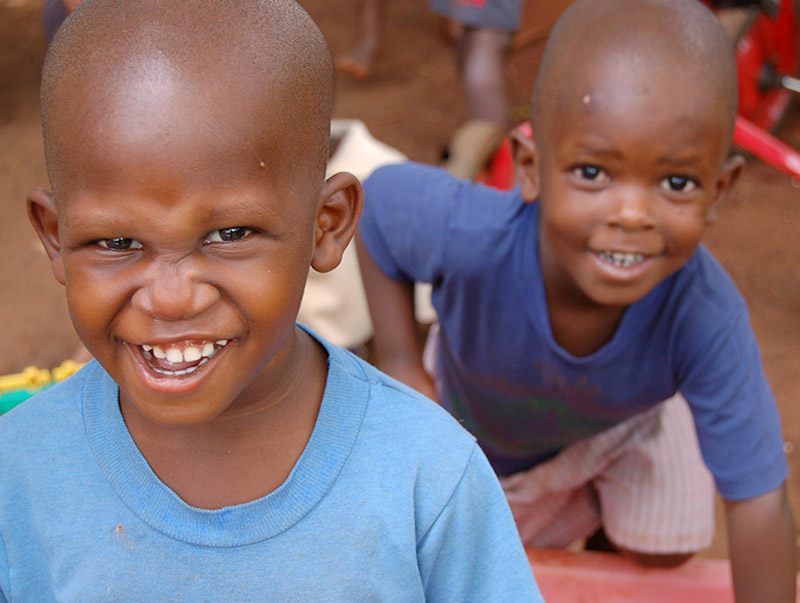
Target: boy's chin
column 617, row 297
column 166, row 411
column 183, row 400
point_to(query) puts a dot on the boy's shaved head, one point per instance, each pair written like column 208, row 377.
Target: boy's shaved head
column 186, row 144
column 144, row 67
column 633, row 112
column 641, row 41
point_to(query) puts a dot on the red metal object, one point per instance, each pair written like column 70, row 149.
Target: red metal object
column 766, row 147
column 500, row 172
column 773, row 43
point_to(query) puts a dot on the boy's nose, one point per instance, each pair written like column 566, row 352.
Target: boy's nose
column 632, row 209
column 173, row 291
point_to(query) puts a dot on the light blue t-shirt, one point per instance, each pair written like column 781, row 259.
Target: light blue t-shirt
column 390, row 501
column 506, row 379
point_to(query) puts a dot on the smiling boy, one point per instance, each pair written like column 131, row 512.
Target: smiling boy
column 215, row 450
column 573, row 308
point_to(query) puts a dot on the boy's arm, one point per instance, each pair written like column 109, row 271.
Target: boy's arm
column 761, row 540
column 391, row 305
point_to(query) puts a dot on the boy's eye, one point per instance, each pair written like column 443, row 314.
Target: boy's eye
column 228, row 235
column 590, row 173
column 120, row 244
column 679, row 184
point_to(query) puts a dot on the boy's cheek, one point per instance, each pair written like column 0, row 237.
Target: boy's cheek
column 91, row 293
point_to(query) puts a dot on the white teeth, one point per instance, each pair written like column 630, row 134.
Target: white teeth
column 191, row 354
column 619, row 258
column 174, row 355
column 186, row 371
column 201, row 352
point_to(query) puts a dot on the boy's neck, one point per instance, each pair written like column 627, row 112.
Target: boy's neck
column 239, row 458
column 582, row 329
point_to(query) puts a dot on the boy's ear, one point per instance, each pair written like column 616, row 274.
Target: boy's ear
column 338, row 211
column 731, row 170
column 43, row 217
column 526, row 164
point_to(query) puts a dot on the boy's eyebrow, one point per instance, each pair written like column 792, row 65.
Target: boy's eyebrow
column 687, row 160
column 591, row 148
column 598, row 149
column 245, row 207
column 236, row 211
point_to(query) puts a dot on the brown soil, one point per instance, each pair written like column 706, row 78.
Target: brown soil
column 412, row 101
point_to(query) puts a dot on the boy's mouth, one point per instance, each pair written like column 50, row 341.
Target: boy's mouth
column 620, row 259
column 178, row 359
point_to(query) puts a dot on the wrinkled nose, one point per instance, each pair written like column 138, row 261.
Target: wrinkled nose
column 174, row 291
column 632, row 209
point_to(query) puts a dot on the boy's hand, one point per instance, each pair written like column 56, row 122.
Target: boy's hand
column 761, row 540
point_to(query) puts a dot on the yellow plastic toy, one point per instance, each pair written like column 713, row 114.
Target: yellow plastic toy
column 18, row 387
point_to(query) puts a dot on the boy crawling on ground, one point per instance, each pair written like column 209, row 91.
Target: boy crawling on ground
column 573, row 308
column 216, row 451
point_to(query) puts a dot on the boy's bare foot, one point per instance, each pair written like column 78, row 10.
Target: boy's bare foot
column 358, row 62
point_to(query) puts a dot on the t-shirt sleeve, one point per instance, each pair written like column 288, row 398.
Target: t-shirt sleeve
column 406, row 209
column 735, row 412
column 472, row 551
column 4, row 571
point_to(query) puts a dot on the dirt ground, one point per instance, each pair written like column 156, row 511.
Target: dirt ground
column 413, row 102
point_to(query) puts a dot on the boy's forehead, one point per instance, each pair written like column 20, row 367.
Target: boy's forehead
column 618, row 80
column 150, row 100
column 192, row 76
column 625, row 56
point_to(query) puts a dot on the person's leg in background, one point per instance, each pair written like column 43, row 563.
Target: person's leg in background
column 54, row 13
column 358, row 61
column 484, row 29
column 482, row 68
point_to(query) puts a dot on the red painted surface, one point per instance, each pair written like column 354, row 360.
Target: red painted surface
column 586, row 577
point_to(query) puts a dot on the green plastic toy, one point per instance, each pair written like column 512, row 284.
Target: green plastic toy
column 18, row 387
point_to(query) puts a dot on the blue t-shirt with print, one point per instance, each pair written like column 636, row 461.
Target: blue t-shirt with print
column 502, row 374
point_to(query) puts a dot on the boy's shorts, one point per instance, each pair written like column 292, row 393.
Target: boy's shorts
column 491, row 14
column 643, row 481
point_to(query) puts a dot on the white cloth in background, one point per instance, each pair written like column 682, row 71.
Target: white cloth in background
column 334, row 303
